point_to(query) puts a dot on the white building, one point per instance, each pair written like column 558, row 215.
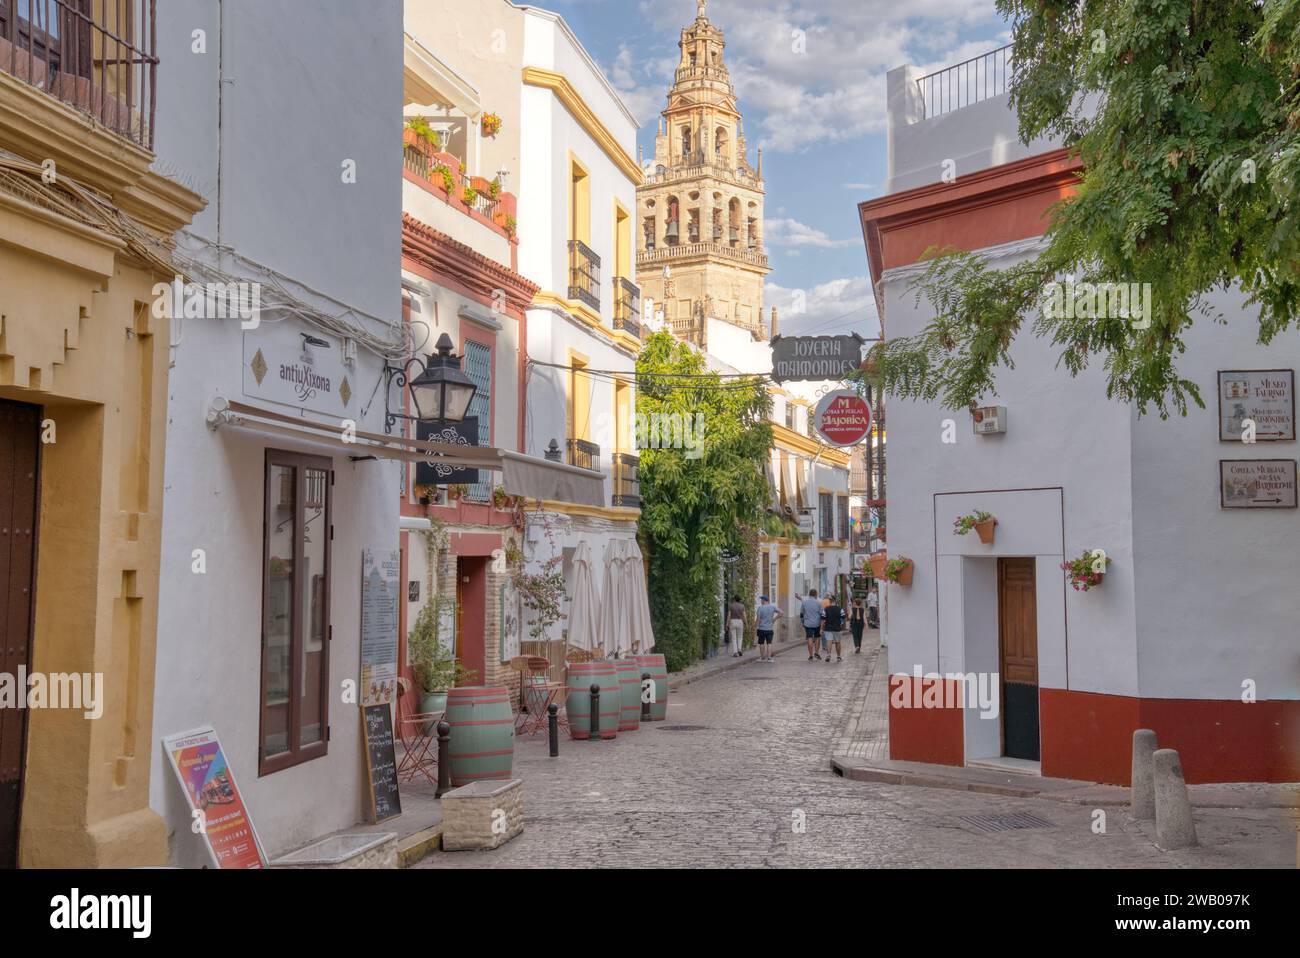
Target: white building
column 265, row 518
column 1192, row 632
column 577, row 194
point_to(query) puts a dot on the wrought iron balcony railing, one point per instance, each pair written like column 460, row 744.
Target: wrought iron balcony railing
column 584, row 274
column 584, row 454
column 966, row 83
column 627, row 480
column 627, row 306
column 97, row 56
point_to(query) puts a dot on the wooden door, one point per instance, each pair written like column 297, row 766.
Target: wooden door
column 1018, row 657
column 19, row 463
column 471, row 617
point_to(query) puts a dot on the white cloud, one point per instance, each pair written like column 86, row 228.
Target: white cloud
column 835, row 89
column 788, row 232
column 839, row 306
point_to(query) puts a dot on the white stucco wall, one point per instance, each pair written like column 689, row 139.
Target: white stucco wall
column 305, row 93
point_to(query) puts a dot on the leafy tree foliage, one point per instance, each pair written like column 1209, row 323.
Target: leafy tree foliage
column 1186, row 116
column 695, row 502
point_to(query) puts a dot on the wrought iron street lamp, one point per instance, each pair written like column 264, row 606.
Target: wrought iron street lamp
column 440, row 393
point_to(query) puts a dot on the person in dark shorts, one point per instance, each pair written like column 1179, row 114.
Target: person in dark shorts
column 765, row 617
column 810, row 614
column 833, row 625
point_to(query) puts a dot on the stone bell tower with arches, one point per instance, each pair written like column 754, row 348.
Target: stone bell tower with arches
column 700, row 209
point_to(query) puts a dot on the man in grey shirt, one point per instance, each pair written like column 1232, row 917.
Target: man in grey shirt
column 765, row 618
column 810, row 614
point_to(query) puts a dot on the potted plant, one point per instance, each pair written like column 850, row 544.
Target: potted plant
column 468, row 196
column 511, row 226
column 427, row 493
column 457, row 491
column 490, row 124
column 501, row 499
column 436, row 670
column 877, row 562
column 1086, row 571
column 982, row 522
column 899, row 570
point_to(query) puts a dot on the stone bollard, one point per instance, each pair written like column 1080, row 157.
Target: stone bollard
column 1174, row 826
column 1142, row 794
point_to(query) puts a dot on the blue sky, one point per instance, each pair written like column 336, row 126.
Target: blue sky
column 819, row 115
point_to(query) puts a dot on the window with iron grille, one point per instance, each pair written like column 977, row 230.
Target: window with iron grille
column 789, row 415
column 842, row 515
column 478, row 367
column 826, row 515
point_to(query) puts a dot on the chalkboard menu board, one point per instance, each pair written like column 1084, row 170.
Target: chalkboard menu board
column 381, row 762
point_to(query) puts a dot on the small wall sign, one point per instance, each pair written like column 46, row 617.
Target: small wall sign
column 1266, row 397
column 843, row 418
column 1257, row 483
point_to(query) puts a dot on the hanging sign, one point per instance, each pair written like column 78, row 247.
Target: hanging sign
column 1265, row 397
column 295, row 368
column 1257, row 483
column 216, row 808
column 843, row 418
column 814, row 358
column 379, row 594
column 464, row 433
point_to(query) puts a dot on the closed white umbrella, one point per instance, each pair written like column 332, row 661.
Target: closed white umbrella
column 584, row 623
column 640, row 634
column 612, row 624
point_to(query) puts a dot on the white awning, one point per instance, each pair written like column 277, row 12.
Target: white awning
column 526, row 477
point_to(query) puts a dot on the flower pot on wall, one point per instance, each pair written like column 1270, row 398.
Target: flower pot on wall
column 904, row 577
column 985, row 530
column 876, row 562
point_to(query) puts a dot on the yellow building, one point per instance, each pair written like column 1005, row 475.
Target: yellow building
column 701, row 206
column 83, row 406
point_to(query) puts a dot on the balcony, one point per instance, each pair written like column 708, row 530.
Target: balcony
column 102, row 64
column 690, row 251
column 584, row 454
column 964, row 84
column 627, row 306
column 627, row 481
column 584, row 275
column 442, row 175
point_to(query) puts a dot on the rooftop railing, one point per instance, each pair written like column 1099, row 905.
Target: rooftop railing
column 966, row 83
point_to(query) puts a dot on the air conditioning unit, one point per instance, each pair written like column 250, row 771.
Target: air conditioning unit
column 989, row 420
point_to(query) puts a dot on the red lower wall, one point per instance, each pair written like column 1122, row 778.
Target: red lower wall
column 920, row 734
column 1089, row 736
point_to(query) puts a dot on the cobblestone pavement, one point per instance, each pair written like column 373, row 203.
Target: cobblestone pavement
column 747, row 783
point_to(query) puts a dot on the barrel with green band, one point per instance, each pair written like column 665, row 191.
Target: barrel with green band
column 581, row 677
column 629, row 684
column 657, row 666
column 482, row 734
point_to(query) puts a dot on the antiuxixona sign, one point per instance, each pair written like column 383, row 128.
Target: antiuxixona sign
column 814, row 358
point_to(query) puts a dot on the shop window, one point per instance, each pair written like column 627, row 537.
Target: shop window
column 295, row 611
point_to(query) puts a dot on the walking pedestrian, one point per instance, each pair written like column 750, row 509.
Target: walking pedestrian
column 857, row 622
column 873, row 609
column 810, row 614
column 833, row 625
column 736, row 621
column 766, row 617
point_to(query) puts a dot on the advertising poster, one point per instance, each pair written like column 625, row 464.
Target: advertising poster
column 380, row 589
column 216, row 807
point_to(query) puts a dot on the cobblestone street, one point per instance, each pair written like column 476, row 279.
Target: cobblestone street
column 743, row 761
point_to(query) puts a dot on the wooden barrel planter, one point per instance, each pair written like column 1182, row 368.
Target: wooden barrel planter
column 629, row 684
column 581, row 677
column 482, row 734
column 657, row 666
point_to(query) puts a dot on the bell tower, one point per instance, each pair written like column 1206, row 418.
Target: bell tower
column 700, row 209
